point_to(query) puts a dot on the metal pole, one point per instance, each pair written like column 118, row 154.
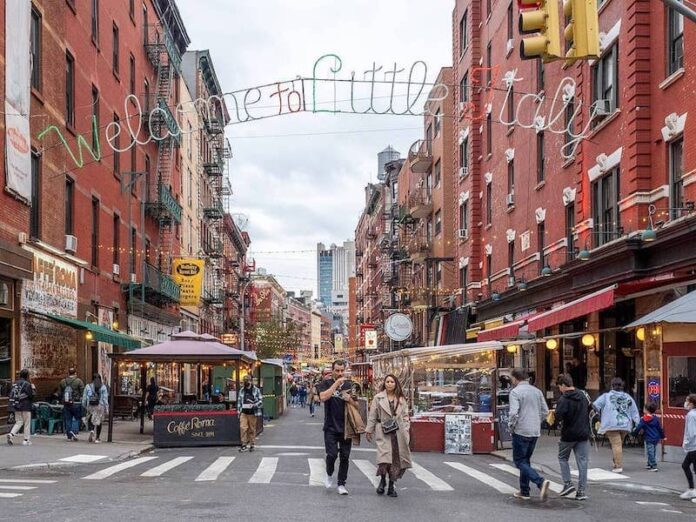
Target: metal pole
column 681, row 8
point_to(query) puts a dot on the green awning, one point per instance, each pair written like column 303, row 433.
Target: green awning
column 100, row 333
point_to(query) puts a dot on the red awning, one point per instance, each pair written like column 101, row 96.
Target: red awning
column 583, row 306
column 507, row 331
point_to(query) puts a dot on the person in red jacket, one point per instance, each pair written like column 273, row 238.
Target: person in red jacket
column 653, row 434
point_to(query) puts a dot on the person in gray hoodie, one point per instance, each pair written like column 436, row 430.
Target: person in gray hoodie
column 527, row 410
column 689, row 446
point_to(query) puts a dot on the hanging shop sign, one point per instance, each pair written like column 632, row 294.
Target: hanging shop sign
column 188, row 274
column 54, row 287
column 398, row 327
column 370, row 339
column 106, row 319
column 338, row 343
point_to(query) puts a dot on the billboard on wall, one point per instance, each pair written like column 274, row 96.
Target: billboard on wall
column 17, row 97
column 188, row 274
column 54, row 287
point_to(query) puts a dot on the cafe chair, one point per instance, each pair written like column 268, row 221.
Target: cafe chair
column 49, row 419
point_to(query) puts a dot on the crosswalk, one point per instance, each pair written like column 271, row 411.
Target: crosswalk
column 13, row 488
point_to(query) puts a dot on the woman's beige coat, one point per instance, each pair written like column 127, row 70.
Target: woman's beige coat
column 380, row 411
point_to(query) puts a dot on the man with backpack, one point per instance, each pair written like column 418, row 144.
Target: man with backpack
column 71, row 390
column 573, row 412
column 21, row 397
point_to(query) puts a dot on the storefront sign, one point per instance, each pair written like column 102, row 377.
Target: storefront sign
column 200, row 428
column 370, row 339
column 17, row 101
column 398, row 327
column 654, row 389
column 54, row 288
column 188, row 274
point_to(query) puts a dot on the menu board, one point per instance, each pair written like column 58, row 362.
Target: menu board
column 458, row 434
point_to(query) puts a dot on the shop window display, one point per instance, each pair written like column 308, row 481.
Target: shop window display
column 682, row 379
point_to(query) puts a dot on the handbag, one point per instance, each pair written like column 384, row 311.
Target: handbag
column 391, row 425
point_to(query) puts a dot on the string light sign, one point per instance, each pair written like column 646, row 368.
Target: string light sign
column 392, row 91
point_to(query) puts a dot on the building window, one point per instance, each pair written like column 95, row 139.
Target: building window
column 676, row 182
column 463, row 277
column 464, row 153
column 69, row 89
column 190, row 235
column 605, row 206
column 438, row 173
column 510, row 31
column 131, row 8
column 146, row 24
column 489, row 268
column 541, row 244
column 35, row 215
column 540, row 75
column 115, row 55
column 429, row 139
column 463, row 28
column 429, row 231
column 675, row 40
column 438, row 274
column 95, row 22
column 131, row 62
column 569, row 121
column 489, row 10
column 189, row 140
column 570, row 230
column 511, row 106
column 682, row 379
column 511, row 257
column 95, row 117
column 604, row 84
column 511, row 177
column 95, row 232
column 117, row 240
column 464, row 216
column 148, row 178
column 133, row 251
column 146, row 97
column 489, row 203
column 429, row 184
column 117, row 145
column 35, row 50
column 438, row 222
column 69, row 207
column 190, row 188
column 489, row 134
column 464, row 88
column 438, row 122
column 489, row 64
column 541, row 171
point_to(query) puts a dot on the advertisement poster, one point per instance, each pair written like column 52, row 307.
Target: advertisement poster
column 458, row 434
column 17, row 102
column 188, row 274
column 106, row 319
column 370, row 339
column 54, row 288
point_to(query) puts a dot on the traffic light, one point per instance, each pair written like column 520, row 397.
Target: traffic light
column 581, row 29
column 543, row 20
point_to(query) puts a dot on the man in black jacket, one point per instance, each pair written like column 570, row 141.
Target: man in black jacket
column 573, row 412
column 22, row 395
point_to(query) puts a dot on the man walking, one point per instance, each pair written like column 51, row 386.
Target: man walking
column 71, row 390
column 573, row 412
column 527, row 410
column 249, row 403
column 334, row 393
column 21, row 397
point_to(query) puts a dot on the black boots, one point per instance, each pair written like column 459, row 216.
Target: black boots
column 382, row 483
column 391, row 492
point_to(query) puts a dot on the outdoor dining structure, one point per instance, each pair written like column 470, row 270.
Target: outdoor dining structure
column 191, row 412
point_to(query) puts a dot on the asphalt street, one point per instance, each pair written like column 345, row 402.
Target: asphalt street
column 284, row 479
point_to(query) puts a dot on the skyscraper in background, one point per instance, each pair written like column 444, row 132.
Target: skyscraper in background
column 324, row 273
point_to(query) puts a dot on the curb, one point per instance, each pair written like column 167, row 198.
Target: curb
column 46, row 466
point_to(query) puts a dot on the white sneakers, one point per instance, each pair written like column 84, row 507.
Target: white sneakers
column 617, row 470
column 342, row 490
column 26, row 443
column 328, row 482
column 688, row 494
column 91, row 436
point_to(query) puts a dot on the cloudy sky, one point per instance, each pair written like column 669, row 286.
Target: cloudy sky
column 300, row 178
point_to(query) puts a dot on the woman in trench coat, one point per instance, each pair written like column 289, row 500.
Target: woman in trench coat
column 393, row 452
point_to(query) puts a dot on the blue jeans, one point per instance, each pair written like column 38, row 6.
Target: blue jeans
column 651, row 450
column 72, row 413
column 522, row 450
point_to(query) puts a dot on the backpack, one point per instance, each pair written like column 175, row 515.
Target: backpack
column 16, row 395
column 68, row 393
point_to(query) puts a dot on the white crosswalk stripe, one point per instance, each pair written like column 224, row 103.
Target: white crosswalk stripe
column 435, row 483
column 10, row 495
column 317, row 472
column 555, row 487
column 14, row 488
column 484, row 478
column 163, row 468
column 26, row 481
column 18, row 488
column 368, row 469
column 264, row 473
column 213, row 471
column 112, row 470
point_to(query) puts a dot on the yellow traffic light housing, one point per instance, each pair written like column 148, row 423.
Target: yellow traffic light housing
column 544, row 20
column 581, row 29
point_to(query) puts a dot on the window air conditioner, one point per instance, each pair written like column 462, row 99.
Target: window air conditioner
column 463, row 172
column 510, row 199
column 463, row 233
column 70, row 244
column 603, row 107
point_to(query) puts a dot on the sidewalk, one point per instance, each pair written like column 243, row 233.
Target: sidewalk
column 54, row 451
column 669, row 479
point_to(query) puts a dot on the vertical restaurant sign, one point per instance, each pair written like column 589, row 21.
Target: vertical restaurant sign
column 54, row 287
column 188, row 274
column 17, row 97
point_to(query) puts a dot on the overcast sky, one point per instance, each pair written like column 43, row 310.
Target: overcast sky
column 298, row 190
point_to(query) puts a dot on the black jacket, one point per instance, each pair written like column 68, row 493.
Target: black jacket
column 573, row 412
column 27, row 395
